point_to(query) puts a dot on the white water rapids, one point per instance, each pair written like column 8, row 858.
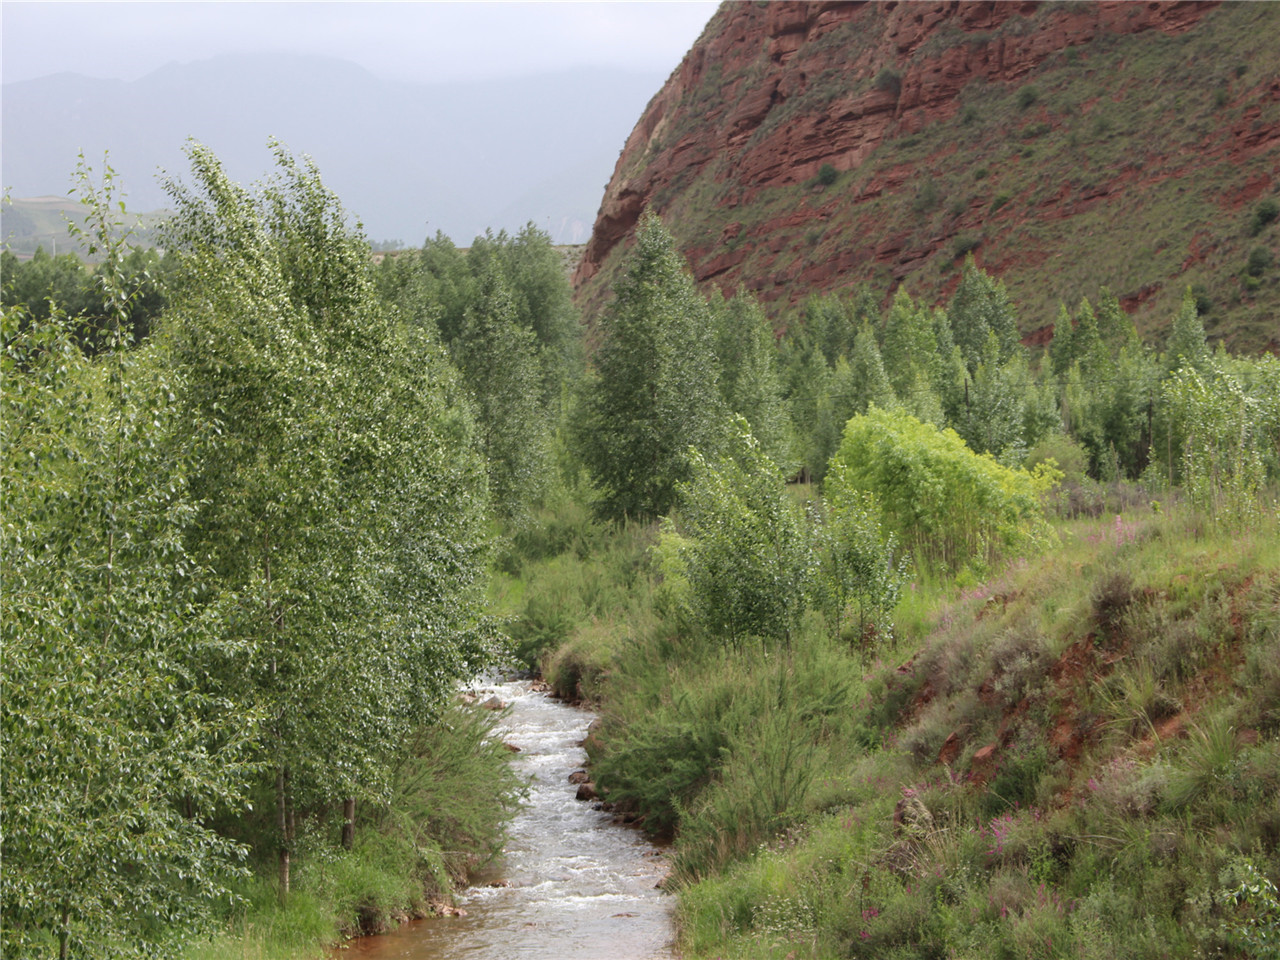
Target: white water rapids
column 580, row 887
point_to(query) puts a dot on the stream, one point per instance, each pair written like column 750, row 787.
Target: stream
column 576, row 884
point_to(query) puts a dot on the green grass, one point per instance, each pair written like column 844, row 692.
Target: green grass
column 1127, row 686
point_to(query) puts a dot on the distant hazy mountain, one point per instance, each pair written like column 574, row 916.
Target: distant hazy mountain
column 407, row 159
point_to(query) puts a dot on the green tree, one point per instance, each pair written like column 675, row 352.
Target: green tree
column 654, row 394
column 1229, row 433
column 911, row 359
column 749, row 382
column 866, row 383
column 1186, row 345
column 499, row 362
column 342, row 502
column 994, row 413
column 745, row 545
column 115, row 751
column 828, row 326
column 981, row 306
column 543, row 299
column 1115, row 327
column 857, row 570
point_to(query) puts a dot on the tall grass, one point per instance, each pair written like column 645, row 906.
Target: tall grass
column 1094, row 733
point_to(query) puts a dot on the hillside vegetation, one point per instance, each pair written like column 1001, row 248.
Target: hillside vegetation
column 1074, row 757
column 805, row 147
column 960, row 700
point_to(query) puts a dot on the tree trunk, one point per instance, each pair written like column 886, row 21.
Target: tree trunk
column 283, row 823
column 348, row 823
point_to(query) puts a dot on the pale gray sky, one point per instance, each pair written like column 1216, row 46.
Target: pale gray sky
column 411, row 41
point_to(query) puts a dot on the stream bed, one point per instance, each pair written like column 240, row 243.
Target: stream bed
column 572, row 883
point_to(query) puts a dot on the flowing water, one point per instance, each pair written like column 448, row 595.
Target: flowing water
column 577, row 884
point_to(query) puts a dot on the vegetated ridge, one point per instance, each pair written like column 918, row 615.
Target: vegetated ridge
column 804, row 147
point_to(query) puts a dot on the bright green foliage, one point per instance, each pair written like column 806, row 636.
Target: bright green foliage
column 745, row 545
column 1255, row 925
column 112, row 743
column 856, row 568
column 980, row 306
column 994, row 413
column 342, row 505
column 499, row 362
column 949, row 504
column 749, row 381
column 654, row 394
column 1186, row 345
column 1229, row 433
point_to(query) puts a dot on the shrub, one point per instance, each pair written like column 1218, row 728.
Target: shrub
column 827, row 174
column 889, row 80
column 1263, row 214
column 746, row 546
column 1211, row 765
column 1026, row 96
column 1259, row 262
column 946, row 502
column 857, row 569
column 1064, row 453
column 965, row 243
column 927, row 198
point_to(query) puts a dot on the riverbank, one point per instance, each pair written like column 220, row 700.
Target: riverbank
column 571, row 883
column 1077, row 755
column 444, row 821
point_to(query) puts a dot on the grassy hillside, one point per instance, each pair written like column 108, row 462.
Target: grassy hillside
column 1078, row 756
column 33, row 222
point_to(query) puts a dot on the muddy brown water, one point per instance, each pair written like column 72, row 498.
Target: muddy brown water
column 577, row 884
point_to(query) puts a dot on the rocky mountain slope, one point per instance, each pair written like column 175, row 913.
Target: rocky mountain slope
column 803, row 147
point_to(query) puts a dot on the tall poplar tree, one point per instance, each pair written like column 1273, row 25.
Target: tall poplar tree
column 500, row 365
column 981, row 306
column 749, row 380
column 654, row 394
column 342, row 502
column 112, row 744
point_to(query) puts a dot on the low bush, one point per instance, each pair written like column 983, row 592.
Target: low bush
column 949, row 505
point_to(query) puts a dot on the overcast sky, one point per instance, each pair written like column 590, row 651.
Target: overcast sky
column 411, row 41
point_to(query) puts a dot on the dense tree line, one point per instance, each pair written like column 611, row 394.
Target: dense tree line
column 244, row 560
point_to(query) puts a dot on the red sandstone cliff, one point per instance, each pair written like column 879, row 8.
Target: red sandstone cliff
column 1010, row 110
